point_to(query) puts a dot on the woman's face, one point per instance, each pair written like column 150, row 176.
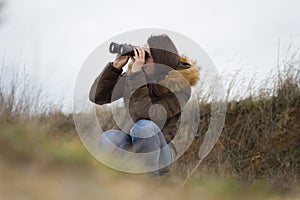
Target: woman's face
column 149, row 67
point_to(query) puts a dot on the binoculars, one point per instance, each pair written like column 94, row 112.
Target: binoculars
column 123, row 49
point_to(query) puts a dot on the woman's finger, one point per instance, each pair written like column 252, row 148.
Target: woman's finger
column 140, row 53
column 135, row 53
column 143, row 53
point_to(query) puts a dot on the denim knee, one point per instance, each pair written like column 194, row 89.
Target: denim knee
column 144, row 128
column 115, row 137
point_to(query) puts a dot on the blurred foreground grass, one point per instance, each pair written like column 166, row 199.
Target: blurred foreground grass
column 35, row 165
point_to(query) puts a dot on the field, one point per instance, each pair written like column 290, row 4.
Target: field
column 256, row 157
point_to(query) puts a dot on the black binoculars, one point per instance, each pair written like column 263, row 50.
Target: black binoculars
column 123, row 49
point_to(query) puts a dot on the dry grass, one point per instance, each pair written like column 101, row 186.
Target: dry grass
column 261, row 137
column 256, row 157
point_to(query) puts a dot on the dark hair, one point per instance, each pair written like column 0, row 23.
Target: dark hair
column 163, row 50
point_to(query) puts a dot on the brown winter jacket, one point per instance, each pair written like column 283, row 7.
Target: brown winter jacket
column 141, row 93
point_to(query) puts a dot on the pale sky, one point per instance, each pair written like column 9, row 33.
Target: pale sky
column 53, row 38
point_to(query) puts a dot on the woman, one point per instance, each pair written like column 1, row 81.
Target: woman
column 154, row 90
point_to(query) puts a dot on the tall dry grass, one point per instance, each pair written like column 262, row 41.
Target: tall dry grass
column 261, row 137
column 259, row 147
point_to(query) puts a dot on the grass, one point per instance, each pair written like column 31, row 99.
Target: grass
column 29, row 142
column 256, row 157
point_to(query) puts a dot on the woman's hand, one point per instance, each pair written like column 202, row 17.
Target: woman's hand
column 120, row 61
column 138, row 60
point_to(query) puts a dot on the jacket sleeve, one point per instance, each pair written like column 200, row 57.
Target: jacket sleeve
column 140, row 102
column 104, row 86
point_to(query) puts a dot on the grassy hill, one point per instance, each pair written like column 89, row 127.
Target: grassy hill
column 256, row 157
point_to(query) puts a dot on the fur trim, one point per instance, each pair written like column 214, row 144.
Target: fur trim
column 177, row 80
column 192, row 74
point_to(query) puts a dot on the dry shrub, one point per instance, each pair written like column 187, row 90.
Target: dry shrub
column 261, row 136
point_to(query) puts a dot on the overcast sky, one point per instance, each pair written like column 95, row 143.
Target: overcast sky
column 52, row 38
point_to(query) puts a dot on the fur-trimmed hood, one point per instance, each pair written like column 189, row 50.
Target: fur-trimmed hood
column 187, row 72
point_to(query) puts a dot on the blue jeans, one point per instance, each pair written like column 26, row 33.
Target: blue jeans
column 144, row 137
